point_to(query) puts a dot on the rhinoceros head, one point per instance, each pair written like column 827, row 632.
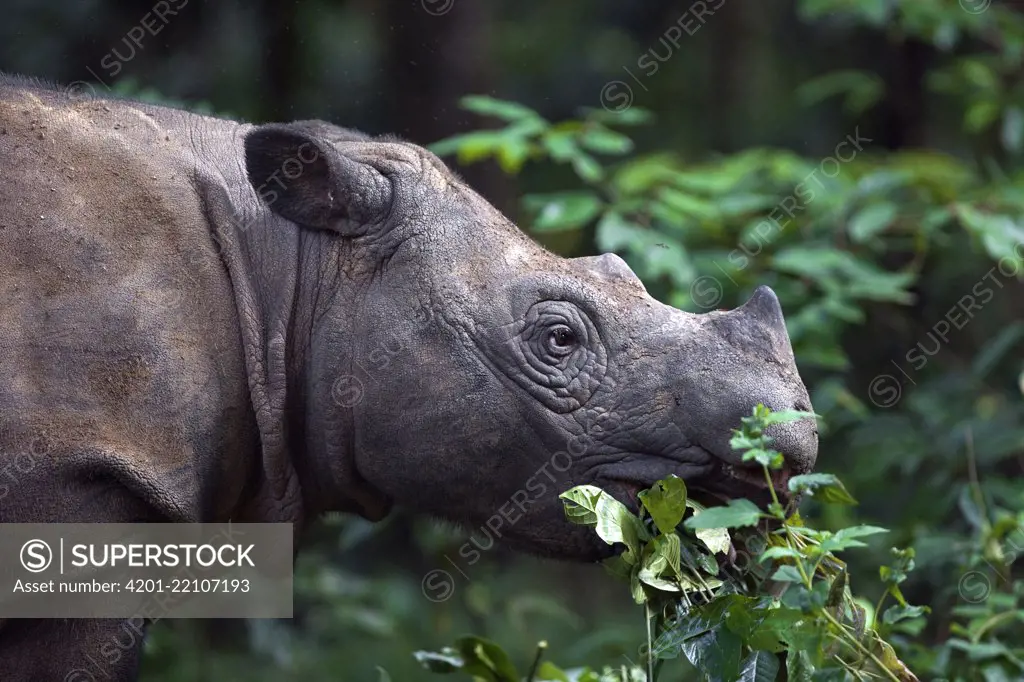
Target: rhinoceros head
column 462, row 370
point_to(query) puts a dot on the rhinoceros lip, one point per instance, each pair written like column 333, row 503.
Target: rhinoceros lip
column 732, row 481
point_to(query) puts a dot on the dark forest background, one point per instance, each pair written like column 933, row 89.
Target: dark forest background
column 702, row 131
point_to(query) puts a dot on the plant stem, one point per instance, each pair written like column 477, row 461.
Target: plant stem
column 650, row 643
column 860, row 647
column 541, row 648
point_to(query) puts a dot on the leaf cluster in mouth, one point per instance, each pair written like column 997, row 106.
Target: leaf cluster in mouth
column 731, row 618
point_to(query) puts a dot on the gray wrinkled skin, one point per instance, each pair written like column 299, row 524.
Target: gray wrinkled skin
column 205, row 320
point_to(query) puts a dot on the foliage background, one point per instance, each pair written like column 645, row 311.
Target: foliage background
column 920, row 387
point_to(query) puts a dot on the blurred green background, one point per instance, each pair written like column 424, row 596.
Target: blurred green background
column 704, row 142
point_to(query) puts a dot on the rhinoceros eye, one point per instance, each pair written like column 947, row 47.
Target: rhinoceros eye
column 561, row 340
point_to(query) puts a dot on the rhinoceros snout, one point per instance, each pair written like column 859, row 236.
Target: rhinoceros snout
column 749, row 360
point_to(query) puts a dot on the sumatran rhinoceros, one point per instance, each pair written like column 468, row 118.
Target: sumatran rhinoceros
column 206, row 320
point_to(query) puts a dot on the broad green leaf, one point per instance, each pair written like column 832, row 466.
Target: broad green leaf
column 691, row 205
column 837, row 590
column 696, row 622
column 995, row 349
column 666, row 503
column 717, row 540
column 861, row 89
column 549, row 672
column 772, row 459
column 580, row 504
column 470, row 147
column 563, row 211
column 636, row 589
column 560, row 144
column 738, row 514
column 669, row 546
column 787, row 574
column 630, row 116
column 382, row 675
column 587, row 167
column 892, row 662
column 715, row 653
column 604, row 141
column 895, row 614
column 871, row 221
column 760, row 666
column 846, row 537
column 798, row 667
column 512, row 155
column 615, row 523
column 825, row 487
column 779, row 553
column 486, row 659
column 489, row 106
column 980, row 115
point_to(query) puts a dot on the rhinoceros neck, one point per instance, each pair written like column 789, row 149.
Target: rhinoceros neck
column 261, row 261
column 283, row 291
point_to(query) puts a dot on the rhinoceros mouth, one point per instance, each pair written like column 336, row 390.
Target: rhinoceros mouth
column 731, row 481
column 713, row 482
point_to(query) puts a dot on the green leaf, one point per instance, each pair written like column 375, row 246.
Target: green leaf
column 666, row 503
column 688, row 204
column 470, row 147
column 631, row 116
column 604, row 141
column 825, row 487
column 845, row 538
column 980, row 115
column 382, row 675
column 670, row 546
column 837, row 590
column 715, row 653
column 772, row 459
column 580, row 504
column 615, row 523
column 563, row 211
column 798, row 667
column 738, row 514
column 895, row 614
column 862, row 89
column 787, row 574
column 560, row 144
column 549, row 672
column 486, row 659
column 636, row 589
column 779, row 553
column 590, row 506
column 587, row 167
column 498, row 108
column 870, row 221
column 717, row 540
column 760, row 666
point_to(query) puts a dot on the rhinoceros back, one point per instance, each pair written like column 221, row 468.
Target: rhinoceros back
column 119, row 344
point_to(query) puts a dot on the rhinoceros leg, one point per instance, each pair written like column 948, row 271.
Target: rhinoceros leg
column 79, row 650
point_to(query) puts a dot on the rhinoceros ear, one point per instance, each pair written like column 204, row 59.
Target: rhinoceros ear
column 308, row 180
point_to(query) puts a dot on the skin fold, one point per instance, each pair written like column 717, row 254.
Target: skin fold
column 207, row 320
